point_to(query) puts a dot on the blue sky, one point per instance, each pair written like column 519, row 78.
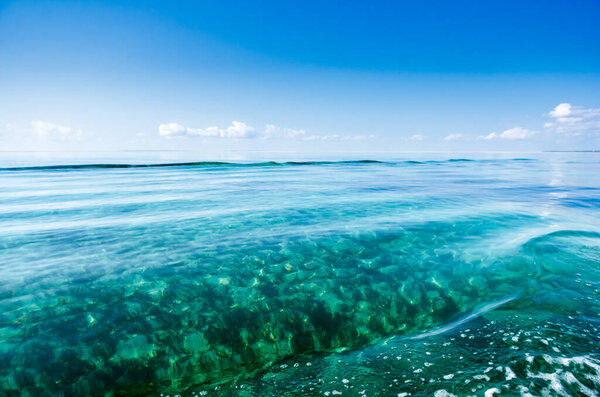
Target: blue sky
column 310, row 76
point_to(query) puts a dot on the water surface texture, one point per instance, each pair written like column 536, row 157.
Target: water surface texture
column 358, row 278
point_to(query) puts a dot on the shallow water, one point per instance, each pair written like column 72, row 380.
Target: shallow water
column 425, row 277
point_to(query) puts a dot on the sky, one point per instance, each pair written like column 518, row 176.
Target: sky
column 299, row 77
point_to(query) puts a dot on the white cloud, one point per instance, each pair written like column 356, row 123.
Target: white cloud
column 561, row 110
column 271, row 130
column 207, row 132
column 417, row 137
column 517, row 133
column 172, row 129
column 512, row 133
column 237, row 129
column 49, row 130
column 453, row 137
column 275, row 131
column 337, row 137
column 574, row 120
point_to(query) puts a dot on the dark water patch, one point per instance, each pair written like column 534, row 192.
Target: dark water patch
column 502, row 353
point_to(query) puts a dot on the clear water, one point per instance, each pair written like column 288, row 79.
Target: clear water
column 432, row 277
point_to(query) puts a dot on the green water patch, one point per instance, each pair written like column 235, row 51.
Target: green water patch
column 229, row 314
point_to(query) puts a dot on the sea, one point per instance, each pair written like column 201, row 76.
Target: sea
column 395, row 274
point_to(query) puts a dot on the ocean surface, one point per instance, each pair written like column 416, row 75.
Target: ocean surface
column 411, row 275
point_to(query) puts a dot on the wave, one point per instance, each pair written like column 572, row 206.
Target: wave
column 547, row 237
column 185, row 164
column 477, row 313
column 204, row 164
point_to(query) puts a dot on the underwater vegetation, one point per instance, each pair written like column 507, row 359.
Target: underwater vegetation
column 352, row 278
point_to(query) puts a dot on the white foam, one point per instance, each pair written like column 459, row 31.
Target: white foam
column 509, row 373
column 443, row 393
column 491, row 392
column 560, row 375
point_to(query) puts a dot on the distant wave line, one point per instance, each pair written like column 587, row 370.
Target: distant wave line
column 233, row 164
column 184, row 164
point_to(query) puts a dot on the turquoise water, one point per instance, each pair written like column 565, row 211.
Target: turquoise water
column 441, row 276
